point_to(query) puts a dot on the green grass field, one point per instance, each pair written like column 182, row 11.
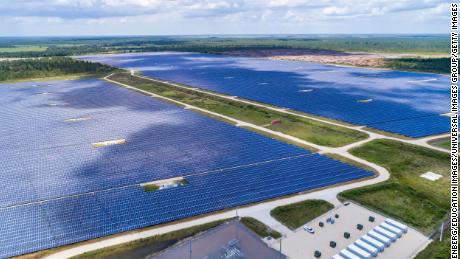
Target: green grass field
column 23, row 48
column 260, row 228
column 296, row 214
column 309, row 130
column 406, row 196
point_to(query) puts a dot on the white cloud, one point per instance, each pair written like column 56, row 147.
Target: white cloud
column 235, row 16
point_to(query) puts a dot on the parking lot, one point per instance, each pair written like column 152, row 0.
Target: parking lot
column 301, row 244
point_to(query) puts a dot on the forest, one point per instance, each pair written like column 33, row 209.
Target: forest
column 432, row 65
column 360, row 43
column 431, row 47
column 49, row 67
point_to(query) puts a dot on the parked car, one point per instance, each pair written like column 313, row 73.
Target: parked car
column 309, row 229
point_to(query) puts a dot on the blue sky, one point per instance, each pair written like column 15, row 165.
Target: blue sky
column 173, row 17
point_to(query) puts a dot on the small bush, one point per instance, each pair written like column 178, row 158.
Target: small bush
column 371, row 219
column 317, row 254
column 346, row 235
column 321, row 224
column 359, row 227
column 336, row 216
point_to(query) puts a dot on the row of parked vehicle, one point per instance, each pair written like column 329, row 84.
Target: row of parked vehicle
column 374, row 242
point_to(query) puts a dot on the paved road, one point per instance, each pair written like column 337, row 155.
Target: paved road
column 260, row 211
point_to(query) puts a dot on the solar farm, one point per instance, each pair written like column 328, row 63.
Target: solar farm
column 406, row 103
column 76, row 153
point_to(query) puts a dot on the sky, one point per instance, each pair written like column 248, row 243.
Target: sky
column 202, row 17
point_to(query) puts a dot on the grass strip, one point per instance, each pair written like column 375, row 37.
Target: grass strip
column 296, row 214
column 310, row 130
column 259, row 228
column 147, row 246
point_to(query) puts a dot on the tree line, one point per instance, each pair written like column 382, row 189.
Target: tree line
column 432, row 65
column 48, row 67
column 69, row 47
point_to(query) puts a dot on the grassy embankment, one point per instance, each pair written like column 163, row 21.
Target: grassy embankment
column 405, row 196
column 259, row 228
column 442, row 143
column 309, row 130
column 49, row 68
column 296, row 214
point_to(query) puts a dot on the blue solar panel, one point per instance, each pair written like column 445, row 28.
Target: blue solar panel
column 415, row 100
column 57, row 189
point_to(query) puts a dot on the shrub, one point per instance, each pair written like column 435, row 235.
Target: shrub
column 346, row 235
column 359, row 227
column 371, row 219
column 317, row 254
column 321, row 224
column 336, row 216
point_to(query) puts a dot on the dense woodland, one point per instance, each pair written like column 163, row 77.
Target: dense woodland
column 33, row 47
column 432, row 65
column 48, row 67
column 78, row 46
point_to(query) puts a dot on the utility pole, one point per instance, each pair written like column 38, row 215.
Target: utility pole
column 281, row 239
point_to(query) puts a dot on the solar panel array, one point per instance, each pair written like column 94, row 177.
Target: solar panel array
column 400, row 102
column 57, row 189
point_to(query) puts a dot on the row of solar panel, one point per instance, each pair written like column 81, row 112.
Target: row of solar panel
column 321, row 102
column 333, row 92
column 50, row 158
column 38, row 226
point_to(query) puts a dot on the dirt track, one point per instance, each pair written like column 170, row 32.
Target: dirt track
column 360, row 59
